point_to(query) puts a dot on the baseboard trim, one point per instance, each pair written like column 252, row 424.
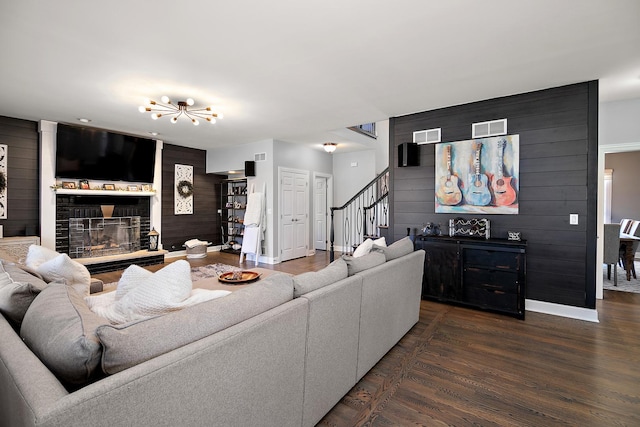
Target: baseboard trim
column 580, row 313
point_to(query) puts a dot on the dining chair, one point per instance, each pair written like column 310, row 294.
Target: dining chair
column 612, row 250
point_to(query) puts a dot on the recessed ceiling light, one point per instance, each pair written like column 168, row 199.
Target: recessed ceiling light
column 153, row 133
column 232, row 172
column 83, row 120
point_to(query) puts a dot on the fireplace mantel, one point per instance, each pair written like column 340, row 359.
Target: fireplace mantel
column 78, row 192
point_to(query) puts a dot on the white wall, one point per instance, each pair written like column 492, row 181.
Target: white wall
column 304, row 158
column 47, row 178
column 382, row 146
column 351, row 172
column 619, row 122
column 347, row 179
column 618, row 131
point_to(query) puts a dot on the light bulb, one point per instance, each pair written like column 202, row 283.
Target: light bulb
column 195, row 122
column 146, row 101
column 220, row 116
column 165, row 99
column 190, row 102
column 154, row 116
column 142, row 109
column 211, row 120
column 174, row 119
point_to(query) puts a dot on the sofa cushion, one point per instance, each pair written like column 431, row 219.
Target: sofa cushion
column 397, row 249
column 18, row 289
column 312, row 280
column 60, row 329
column 128, row 345
column 356, row 265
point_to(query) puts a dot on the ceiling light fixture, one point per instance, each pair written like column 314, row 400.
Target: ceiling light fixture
column 330, row 147
column 182, row 108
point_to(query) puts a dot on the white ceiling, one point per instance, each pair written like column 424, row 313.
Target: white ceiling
column 296, row 70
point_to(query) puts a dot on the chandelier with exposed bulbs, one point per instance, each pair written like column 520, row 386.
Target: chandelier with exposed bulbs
column 182, row 108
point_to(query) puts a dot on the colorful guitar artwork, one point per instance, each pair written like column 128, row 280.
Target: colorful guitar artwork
column 448, row 192
column 478, row 193
column 503, row 190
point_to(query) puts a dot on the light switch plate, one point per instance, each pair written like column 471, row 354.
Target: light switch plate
column 573, row 219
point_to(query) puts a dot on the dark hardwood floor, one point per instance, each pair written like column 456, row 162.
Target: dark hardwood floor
column 460, row 367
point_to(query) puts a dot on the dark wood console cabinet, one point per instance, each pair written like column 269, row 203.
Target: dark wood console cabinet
column 486, row 274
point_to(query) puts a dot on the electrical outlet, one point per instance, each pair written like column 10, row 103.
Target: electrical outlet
column 573, row 219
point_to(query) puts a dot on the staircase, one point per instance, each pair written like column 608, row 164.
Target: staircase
column 365, row 215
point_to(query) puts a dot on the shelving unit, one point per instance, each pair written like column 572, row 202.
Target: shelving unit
column 233, row 202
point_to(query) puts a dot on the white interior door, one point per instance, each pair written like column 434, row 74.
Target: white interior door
column 320, row 213
column 294, row 199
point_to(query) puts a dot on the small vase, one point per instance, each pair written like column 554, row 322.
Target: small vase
column 107, row 210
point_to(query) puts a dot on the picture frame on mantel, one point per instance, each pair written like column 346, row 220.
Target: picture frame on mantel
column 68, row 185
column 108, row 186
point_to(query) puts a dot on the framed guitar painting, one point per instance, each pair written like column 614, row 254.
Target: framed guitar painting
column 478, row 176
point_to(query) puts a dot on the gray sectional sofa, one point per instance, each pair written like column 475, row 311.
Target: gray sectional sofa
column 281, row 352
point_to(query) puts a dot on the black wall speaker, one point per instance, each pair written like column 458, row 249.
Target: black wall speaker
column 408, row 155
column 249, row 168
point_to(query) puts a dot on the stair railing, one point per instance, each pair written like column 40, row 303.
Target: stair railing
column 363, row 215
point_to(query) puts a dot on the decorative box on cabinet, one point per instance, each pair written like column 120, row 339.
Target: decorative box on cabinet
column 232, row 207
column 486, row 274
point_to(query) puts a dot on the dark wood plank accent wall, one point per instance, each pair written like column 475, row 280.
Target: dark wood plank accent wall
column 23, row 177
column 558, row 176
column 204, row 224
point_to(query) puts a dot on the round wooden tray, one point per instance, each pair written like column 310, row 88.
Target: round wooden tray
column 247, row 277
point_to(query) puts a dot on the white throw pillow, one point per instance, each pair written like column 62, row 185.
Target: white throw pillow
column 158, row 293
column 363, row 248
column 381, row 242
column 131, row 277
column 63, row 269
column 39, row 255
column 366, row 246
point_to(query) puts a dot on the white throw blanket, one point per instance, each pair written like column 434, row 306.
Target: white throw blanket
column 141, row 294
column 255, row 211
column 195, row 242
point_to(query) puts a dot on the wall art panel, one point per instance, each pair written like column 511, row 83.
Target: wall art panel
column 183, row 190
column 478, row 176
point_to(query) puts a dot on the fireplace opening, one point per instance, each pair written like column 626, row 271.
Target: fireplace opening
column 83, row 229
column 94, row 237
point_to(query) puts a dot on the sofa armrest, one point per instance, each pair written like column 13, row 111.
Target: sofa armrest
column 96, row 286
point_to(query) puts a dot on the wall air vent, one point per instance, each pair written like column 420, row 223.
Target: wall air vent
column 429, row 136
column 490, row 128
column 259, row 157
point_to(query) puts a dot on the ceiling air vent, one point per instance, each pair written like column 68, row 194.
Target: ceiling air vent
column 428, row 136
column 490, row 128
column 259, row 157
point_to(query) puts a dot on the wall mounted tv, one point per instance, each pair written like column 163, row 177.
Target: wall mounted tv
column 86, row 153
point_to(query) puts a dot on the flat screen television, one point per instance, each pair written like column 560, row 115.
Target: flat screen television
column 87, row 153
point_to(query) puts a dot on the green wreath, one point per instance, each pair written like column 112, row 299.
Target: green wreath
column 3, row 182
column 185, row 189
